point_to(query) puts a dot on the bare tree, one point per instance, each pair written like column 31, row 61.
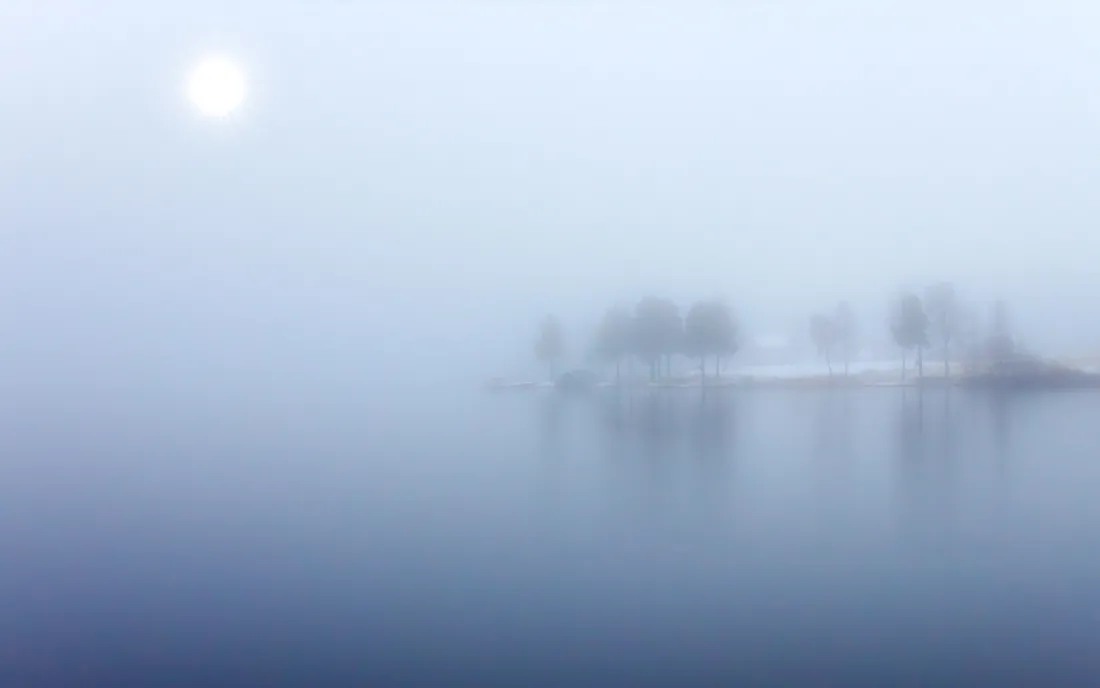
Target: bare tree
column 823, row 333
column 942, row 306
column 550, row 346
column 968, row 337
column 844, row 332
column 1000, row 345
column 725, row 339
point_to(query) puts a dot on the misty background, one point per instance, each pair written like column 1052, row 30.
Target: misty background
column 411, row 187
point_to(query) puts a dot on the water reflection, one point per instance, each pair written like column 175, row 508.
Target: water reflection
column 635, row 537
column 911, row 428
column 662, row 422
column 712, row 427
column 679, row 444
column 551, row 413
column 652, row 441
column 923, row 446
column 833, row 424
column 942, row 436
column 712, row 431
column 999, row 408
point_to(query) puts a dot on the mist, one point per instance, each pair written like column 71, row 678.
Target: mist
column 321, row 389
column 410, row 189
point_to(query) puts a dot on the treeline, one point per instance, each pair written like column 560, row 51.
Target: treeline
column 940, row 319
column 654, row 331
column 915, row 322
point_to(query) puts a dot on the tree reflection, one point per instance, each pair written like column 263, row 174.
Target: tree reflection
column 711, row 426
column 833, row 423
column 659, row 422
column 656, row 422
column 933, row 427
column 551, row 413
column 999, row 407
column 917, row 482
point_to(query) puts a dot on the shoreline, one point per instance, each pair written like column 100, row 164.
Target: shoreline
column 1056, row 377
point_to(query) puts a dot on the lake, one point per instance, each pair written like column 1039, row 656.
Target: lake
column 766, row 537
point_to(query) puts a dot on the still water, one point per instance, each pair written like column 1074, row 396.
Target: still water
column 859, row 537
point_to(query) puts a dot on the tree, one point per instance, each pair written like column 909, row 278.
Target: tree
column 942, row 306
column 724, row 335
column 968, row 338
column 710, row 330
column 696, row 334
column 658, row 331
column 550, row 346
column 844, row 332
column 613, row 340
column 909, row 327
column 1000, row 345
column 823, row 333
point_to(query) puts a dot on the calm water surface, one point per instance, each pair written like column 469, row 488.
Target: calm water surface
column 863, row 537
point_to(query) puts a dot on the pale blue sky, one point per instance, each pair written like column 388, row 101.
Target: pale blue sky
column 412, row 178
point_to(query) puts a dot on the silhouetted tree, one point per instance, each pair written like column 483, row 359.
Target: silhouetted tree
column 710, row 330
column 550, row 346
column 844, row 332
column 696, row 335
column 1000, row 345
column 942, row 306
column 613, row 340
column 726, row 339
column 968, row 337
column 823, row 333
column 674, row 335
column 909, row 327
column 658, row 331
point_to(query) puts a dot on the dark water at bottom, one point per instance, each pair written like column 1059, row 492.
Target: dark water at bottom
column 864, row 537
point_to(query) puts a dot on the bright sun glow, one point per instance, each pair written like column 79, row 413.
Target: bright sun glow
column 216, row 86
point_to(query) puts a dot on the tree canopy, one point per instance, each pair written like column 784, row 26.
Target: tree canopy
column 658, row 329
column 710, row 330
column 615, row 337
column 909, row 327
column 909, row 322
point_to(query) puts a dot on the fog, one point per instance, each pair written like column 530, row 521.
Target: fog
column 221, row 461
column 412, row 186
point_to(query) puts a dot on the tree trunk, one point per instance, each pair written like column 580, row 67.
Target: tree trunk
column 829, row 364
column 920, row 362
column 845, row 364
column 946, row 358
column 717, row 366
column 903, row 365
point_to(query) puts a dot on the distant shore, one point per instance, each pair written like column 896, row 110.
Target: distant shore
column 1055, row 375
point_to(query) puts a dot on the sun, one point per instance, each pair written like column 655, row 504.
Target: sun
column 216, row 86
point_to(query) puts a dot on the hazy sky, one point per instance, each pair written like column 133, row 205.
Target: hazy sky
column 416, row 183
